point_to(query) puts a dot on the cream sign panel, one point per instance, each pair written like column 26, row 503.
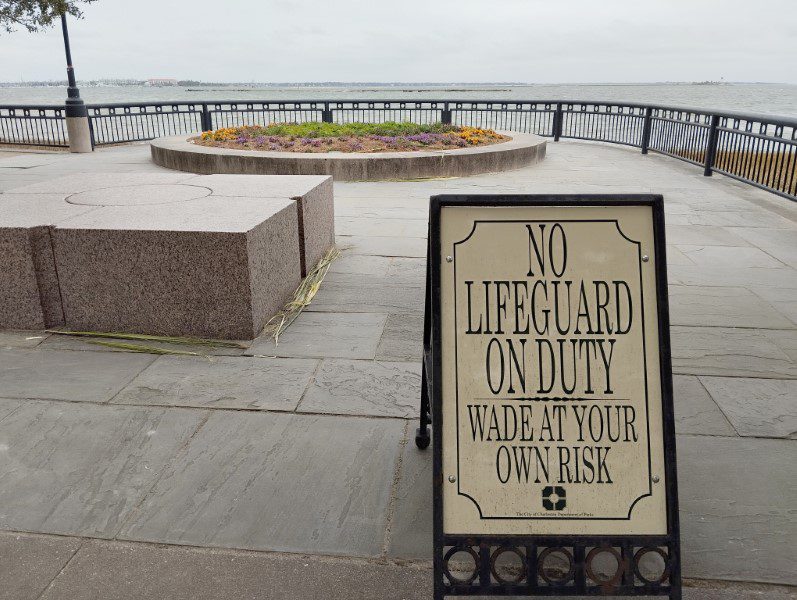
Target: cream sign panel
column 551, row 391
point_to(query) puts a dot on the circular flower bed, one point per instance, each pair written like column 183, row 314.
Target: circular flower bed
column 349, row 137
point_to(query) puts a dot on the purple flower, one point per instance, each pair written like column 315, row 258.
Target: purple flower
column 423, row 138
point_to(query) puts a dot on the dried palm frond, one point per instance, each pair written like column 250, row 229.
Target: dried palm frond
column 185, row 341
column 144, row 349
column 302, row 297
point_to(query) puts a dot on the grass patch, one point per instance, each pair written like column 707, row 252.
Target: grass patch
column 774, row 169
column 777, row 170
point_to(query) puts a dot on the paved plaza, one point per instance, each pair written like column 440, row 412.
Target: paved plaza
column 290, row 471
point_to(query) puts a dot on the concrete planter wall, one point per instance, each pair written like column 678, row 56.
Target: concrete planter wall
column 180, row 154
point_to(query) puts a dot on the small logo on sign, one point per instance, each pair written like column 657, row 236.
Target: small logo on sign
column 554, row 497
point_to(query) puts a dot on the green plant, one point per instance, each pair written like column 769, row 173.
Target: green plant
column 317, row 129
column 35, row 15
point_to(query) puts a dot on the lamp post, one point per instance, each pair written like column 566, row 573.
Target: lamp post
column 77, row 117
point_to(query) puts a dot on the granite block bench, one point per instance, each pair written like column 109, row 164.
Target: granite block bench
column 160, row 253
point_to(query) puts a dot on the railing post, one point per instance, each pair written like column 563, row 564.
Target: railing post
column 326, row 113
column 207, row 125
column 78, row 129
column 91, row 134
column 711, row 150
column 557, row 122
column 646, row 131
column 445, row 114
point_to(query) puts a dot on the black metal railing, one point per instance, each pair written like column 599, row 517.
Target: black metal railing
column 120, row 123
column 758, row 149
column 33, row 126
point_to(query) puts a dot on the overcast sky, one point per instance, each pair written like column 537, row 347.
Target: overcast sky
column 536, row 41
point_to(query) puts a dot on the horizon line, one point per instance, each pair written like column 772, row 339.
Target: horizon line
column 396, row 83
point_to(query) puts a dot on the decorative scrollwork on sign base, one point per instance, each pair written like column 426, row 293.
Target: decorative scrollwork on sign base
column 602, row 568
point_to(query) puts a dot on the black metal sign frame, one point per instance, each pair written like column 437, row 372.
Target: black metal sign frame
column 578, row 552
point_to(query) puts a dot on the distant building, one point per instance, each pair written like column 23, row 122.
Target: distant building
column 161, row 81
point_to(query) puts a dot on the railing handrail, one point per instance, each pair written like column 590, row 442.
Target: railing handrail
column 32, row 106
column 758, row 117
column 758, row 149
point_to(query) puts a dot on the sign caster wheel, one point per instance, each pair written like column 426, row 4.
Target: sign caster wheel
column 422, row 438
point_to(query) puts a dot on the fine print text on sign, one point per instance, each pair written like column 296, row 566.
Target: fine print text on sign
column 551, row 384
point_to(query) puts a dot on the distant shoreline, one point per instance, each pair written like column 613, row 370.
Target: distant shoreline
column 363, row 86
column 767, row 98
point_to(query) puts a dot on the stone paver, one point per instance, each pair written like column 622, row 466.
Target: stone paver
column 360, row 387
column 370, row 295
column 400, row 338
column 786, row 341
column 728, row 276
column 21, row 339
column 318, row 334
column 782, row 299
column 699, row 590
column 119, row 571
column 742, row 218
column 356, row 226
column 407, row 271
column 79, row 469
column 744, row 258
column 29, row 563
column 729, row 352
column 360, row 207
column 65, row 375
column 383, row 246
column 695, row 410
column 779, row 243
column 737, row 511
column 411, row 530
column 722, row 307
column 737, row 508
column 703, row 236
column 297, row 483
column 221, row 382
column 124, row 571
column 7, row 406
column 352, row 267
column 676, row 257
column 320, row 484
column 757, row 407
